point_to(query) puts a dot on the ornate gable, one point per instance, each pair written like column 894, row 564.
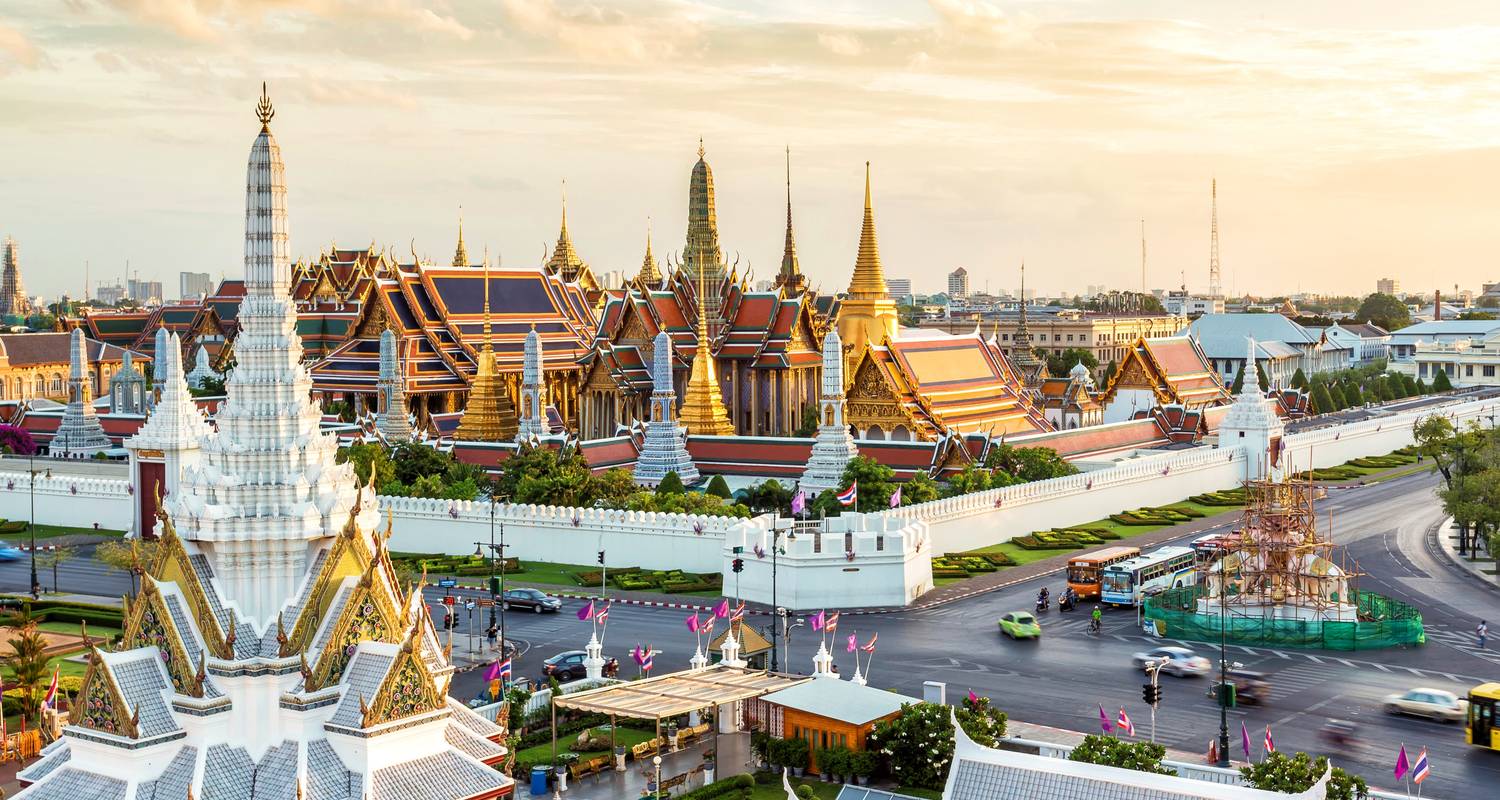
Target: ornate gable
column 408, row 688
column 346, row 558
column 148, row 624
column 173, row 564
column 373, row 319
column 370, row 615
column 872, row 400
column 101, row 706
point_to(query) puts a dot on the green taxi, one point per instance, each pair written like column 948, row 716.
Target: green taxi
column 1020, row 625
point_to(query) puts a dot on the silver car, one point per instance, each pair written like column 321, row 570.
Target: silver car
column 1435, row 704
column 1178, row 661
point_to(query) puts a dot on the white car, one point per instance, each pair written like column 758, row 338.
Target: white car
column 1435, row 704
column 1178, row 661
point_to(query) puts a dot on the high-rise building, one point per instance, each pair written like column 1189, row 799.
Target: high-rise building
column 13, row 300
column 1389, row 286
column 144, row 292
column 898, row 289
column 110, row 295
column 193, row 285
column 958, row 283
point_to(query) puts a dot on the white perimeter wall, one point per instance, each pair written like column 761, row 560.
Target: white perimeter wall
column 566, row 535
column 891, row 563
column 998, row 515
column 78, row 501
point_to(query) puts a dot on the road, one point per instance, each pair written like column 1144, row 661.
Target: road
column 1061, row 680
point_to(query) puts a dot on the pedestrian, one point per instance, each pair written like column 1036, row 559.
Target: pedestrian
column 1482, row 631
column 490, row 636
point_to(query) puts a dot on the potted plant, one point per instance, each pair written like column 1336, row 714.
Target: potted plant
column 797, row 754
column 862, row 764
column 825, row 774
column 709, row 758
column 838, row 763
column 759, row 744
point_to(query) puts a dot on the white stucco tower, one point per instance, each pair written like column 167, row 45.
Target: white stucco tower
column 267, row 490
column 391, row 419
column 834, row 447
column 665, row 447
column 531, row 424
column 79, row 435
column 168, row 443
column 1252, row 424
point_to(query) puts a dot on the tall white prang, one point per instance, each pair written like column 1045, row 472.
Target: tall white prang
column 834, row 446
column 79, row 435
column 267, row 490
column 665, row 447
column 532, row 425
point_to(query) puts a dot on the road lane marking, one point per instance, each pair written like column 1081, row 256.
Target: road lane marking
column 1314, row 658
column 1346, row 662
column 1380, row 667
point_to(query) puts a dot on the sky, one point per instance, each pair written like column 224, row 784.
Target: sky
column 1350, row 140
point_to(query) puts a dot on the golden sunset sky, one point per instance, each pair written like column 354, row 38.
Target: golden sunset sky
column 1351, row 140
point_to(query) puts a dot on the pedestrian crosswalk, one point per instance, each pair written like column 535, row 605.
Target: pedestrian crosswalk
column 1465, row 642
column 1293, row 679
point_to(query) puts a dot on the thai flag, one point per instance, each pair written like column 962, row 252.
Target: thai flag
column 869, row 647
column 738, row 614
column 1419, row 771
column 505, row 670
column 831, row 624
column 497, row 670
column 646, row 659
column 849, row 495
column 1270, row 743
column 708, row 627
column 1124, row 723
column 51, row 692
column 603, row 615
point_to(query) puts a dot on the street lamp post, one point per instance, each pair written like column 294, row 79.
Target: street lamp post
column 656, row 762
column 779, row 611
column 497, row 600
column 1223, row 665
column 36, row 586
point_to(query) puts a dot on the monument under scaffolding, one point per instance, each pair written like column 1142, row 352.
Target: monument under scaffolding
column 1279, row 581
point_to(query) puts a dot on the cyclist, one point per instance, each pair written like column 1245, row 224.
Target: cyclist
column 1097, row 621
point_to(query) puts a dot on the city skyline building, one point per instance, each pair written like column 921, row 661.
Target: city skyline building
column 192, row 285
column 13, row 299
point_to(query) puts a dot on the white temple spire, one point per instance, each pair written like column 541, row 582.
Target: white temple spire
column 665, row 446
column 391, row 419
column 79, row 434
column 834, row 447
column 532, row 424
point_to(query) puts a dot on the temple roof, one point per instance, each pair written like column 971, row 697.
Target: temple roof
column 1174, row 367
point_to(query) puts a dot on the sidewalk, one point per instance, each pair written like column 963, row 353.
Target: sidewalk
column 733, row 759
column 1482, row 568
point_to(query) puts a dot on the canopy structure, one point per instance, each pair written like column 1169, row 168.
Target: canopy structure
column 678, row 692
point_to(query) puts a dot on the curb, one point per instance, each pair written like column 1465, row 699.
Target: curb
column 26, row 548
column 1435, row 535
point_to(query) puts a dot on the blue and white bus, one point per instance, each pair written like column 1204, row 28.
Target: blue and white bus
column 1124, row 583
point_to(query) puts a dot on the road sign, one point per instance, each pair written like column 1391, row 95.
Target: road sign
column 486, row 603
column 469, row 605
column 448, row 601
column 448, row 583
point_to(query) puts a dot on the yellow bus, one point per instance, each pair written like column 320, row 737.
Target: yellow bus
column 1483, row 727
column 1083, row 571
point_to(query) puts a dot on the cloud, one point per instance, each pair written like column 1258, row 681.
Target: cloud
column 841, row 44
column 211, row 20
column 17, row 51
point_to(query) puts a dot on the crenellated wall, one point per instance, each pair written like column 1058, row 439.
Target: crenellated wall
column 77, row 501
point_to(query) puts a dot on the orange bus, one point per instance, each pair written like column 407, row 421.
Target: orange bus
column 1083, row 571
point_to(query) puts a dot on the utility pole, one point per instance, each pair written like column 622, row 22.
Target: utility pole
column 1215, row 288
column 1223, row 666
column 1143, row 257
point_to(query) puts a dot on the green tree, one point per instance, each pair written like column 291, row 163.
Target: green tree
column 214, row 387
column 875, row 483
column 1112, row 752
column 1260, row 378
column 1109, row 371
column 973, row 478
column 718, row 487
column 1059, row 364
column 920, row 489
column 826, row 504
column 809, row 425
column 671, row 483
column 614, row 486
column 412, row 460
column 982, row 722
column 54, row 558
column 1477, row 315
column 27, row 660
column 769, row 495
column 917, row 746
column 1239, row 381
column 1441, row 382
column 1352, row 395
column 1299, row 379
column 1422, row 387
column 1321, row 400
column 1383, row 310
column 1279, row 772
column 1437, row 439
column 1027, row 464
column 1410, row 385
column 364, row 457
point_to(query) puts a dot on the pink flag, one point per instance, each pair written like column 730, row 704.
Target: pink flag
column 853, row 643
column 1104, row 720
column 493, row 672
column 816, row 621
column 587, row 612
column 693, row 623
column 722, row 609
column 637, row 656
column 896, row 498
column 1401, row 763
column 973, row 698
column 799, row 502
column 1245, row 739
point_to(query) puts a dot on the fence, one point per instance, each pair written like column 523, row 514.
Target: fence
column 1382, row 622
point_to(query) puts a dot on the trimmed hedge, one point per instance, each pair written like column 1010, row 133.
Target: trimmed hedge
column 13, row 526
column 672, row 581
column 735, row 788
column 1229, row 497
column 1062, row 539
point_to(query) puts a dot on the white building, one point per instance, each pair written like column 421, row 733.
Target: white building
column 1282, row 346
column 1367, row 343
column 1389, row 286
column 1403, row 343
column 899, row 289
column 1467, row 362
column 1182, row 304
column 958, row 283
column 273, row 651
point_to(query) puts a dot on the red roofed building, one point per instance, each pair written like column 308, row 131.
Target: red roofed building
column 1170, row 370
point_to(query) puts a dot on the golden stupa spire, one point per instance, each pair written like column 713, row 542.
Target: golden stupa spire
column 703, row 411
column 650, row 276
column 264, row 111
column 461, row 253
column 868, row 281
column 489, row 414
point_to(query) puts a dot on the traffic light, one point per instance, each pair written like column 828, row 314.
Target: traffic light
column 494, row 584
column 1150, row 694
column 1227, row 695
column 738, row 565
column 601, row 558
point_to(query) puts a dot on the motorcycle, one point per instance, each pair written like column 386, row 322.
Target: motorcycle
column 1337, row 733
column 1041, row 604
column 1067, row 603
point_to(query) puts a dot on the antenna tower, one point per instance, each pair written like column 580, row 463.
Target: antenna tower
column 1215, row 286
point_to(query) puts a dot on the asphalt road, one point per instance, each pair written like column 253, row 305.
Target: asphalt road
column 1061, row 680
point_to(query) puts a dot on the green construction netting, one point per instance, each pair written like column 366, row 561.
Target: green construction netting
column 1383, row 622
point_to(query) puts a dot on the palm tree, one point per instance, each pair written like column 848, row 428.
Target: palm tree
column 28, row 660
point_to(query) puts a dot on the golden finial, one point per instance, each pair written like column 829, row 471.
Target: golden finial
column 564, row 207
column 486, row 302
column 390, row 522
column 202, row 673
column 307, row 673
column 263, row 110
column 867, row 186
column 700, row 148
column 364, row 712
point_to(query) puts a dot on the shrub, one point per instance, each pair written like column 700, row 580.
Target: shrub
column 1279, row 772
column 1112, row 752
column 12, row 526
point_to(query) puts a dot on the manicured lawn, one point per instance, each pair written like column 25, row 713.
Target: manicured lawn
column 629, row 737
column 916, row 792
column 95, row 631
column 774, row 790
column 540, row 572
column 51, row 531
